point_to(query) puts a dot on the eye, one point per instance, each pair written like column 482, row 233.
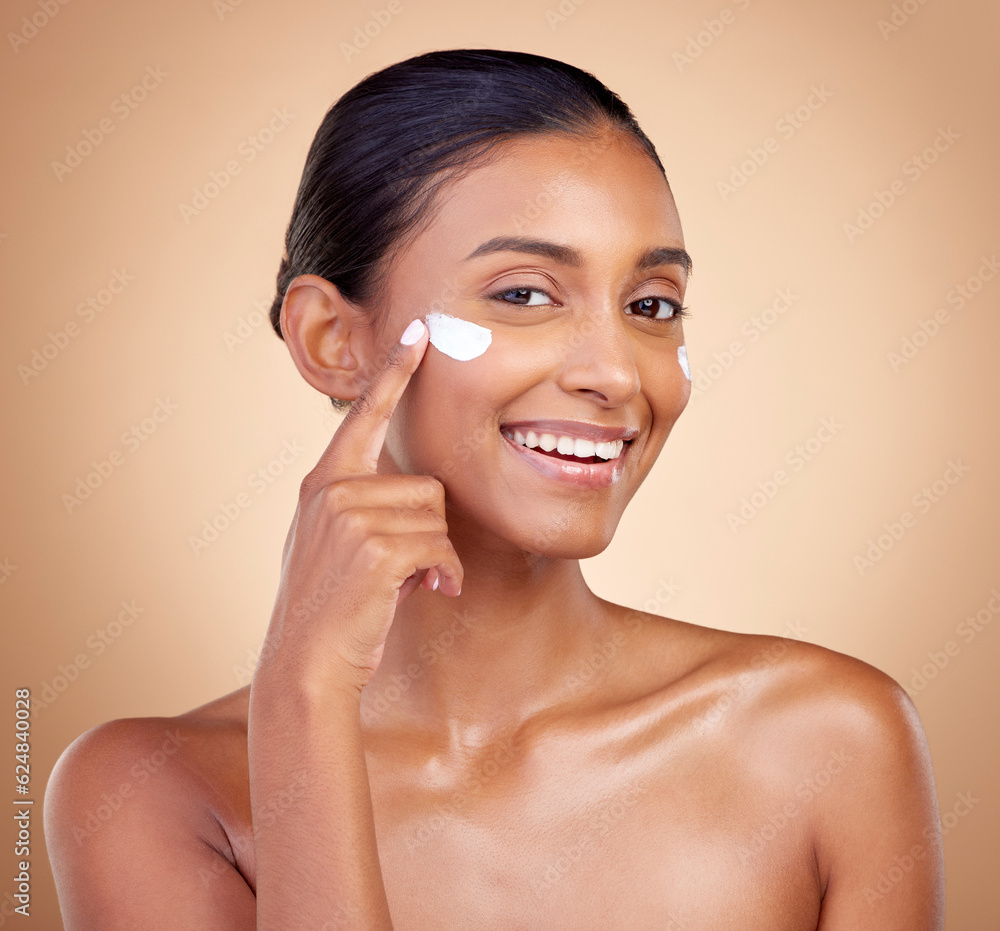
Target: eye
column 649, row 310
column 522, row 298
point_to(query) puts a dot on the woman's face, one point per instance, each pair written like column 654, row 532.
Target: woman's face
column 582, row 334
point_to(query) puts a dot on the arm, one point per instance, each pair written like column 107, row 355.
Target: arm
column 317, row 857
column 878, row 832
column 130, row 845
column 363, row 542
column 359, row 544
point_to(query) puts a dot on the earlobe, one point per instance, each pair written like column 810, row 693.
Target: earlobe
column 322, row 332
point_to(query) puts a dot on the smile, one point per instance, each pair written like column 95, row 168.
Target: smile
column 568, row 446
column 577, row 453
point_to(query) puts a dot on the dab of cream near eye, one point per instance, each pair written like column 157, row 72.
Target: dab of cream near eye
column 682, row 357
column 458, row 338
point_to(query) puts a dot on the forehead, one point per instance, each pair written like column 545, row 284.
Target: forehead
column 592, row 193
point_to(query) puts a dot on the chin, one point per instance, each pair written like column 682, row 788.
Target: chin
column 567, row 538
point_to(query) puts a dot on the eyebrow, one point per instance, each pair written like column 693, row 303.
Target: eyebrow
column 567, row 255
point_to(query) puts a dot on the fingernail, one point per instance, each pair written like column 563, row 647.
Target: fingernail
column 413, row 332
column 437, row 581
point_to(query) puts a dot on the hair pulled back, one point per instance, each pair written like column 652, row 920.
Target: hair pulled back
column 390, row 142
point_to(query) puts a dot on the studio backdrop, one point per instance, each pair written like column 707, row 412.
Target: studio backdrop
column 833, row 479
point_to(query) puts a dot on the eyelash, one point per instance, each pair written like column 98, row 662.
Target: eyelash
column 678, row 310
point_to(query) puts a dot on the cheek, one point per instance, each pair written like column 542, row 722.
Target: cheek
column 449, row 410
column 667, row 389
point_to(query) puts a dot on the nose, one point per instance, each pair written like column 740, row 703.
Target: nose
column 598, row 358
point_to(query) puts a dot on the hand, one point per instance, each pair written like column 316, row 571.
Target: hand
column 359, row 544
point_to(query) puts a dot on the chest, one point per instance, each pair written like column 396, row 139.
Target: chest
column 573, row 843
column 570, row 836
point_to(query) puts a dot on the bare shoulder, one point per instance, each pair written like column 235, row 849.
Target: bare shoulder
column 812, row 701
column 800, row 700
column 785, row 685
column 184, row 754
column 835, row 746
column 134, row 799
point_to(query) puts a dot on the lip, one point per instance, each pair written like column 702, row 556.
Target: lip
column 574, row 428
column 580, row 474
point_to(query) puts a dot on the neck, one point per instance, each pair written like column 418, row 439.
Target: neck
column 471, row 668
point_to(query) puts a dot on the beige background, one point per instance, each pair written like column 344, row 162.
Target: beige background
column 790, row 569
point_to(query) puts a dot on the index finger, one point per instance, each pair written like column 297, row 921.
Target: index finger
column 357, row 443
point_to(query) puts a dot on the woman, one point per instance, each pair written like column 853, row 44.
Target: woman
column 447, row 728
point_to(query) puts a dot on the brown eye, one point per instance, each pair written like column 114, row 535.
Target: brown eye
column 647, row 308
column 521, row 296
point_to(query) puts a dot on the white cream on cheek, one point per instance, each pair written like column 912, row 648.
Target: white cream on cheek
column 682, row 357
column 458, row 338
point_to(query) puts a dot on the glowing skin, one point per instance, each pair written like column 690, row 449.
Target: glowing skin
column 682, row 357
column 587, row 339
column 546, row 717
column 458, row 338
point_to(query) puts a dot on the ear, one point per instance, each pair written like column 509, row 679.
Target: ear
column 326, row 336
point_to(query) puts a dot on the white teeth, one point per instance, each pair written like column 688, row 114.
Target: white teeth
column 569, row 445
column 566, row 445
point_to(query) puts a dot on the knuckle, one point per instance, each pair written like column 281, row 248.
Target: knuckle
column 362, row 406
column 373, row 551
column 395, row 358
column 426, row 488
column 351, row 522
column 439, row 539
column 437, row 521
column 309, row 485
column 336, row 496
